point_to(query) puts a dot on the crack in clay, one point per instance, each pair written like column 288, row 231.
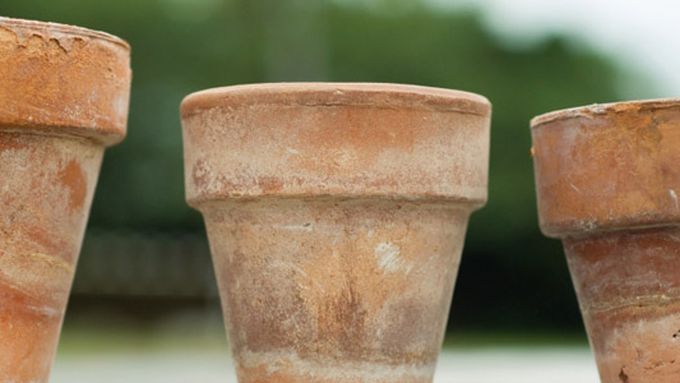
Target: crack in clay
column 638, row 302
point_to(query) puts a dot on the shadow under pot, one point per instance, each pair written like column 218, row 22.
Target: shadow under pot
column 336, row 215
column 63, row 98
column 608, row 185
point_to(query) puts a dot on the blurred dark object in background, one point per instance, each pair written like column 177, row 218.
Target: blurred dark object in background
column 146, row 253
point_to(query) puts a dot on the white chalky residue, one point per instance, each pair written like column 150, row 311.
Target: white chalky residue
column 575, row 188
column 120, row 106
column 389, row 259
column 302, row 227
column 597, row 108
column 674, row 197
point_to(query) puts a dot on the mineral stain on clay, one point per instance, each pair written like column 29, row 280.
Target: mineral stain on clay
column 73, row 178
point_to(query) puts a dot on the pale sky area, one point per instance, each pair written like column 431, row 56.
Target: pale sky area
column 643, row 35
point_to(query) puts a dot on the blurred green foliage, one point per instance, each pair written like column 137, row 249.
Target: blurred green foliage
column 510, row 273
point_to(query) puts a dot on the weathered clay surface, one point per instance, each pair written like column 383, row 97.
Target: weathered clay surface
column 336, row 215
column 46, row 187
column 607, row 179
column 608, row 167
column 63, row 97
column 629, row 287
column 63, row 79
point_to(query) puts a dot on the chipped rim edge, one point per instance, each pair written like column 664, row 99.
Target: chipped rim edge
column 37, row 26
column 589, row 111
column 274, row 93
column 104, row 136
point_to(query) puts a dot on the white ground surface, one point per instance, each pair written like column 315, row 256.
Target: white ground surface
column 506, row 365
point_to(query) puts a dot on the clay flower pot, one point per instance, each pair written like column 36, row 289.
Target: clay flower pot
column 336, row 215
column 608, row 184
column 63, row 98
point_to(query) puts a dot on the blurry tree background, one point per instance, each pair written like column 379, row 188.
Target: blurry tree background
column 145, row 255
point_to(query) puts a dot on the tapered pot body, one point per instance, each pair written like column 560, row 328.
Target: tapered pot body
column 63, row 97
column 336, row 215
column 608, row 180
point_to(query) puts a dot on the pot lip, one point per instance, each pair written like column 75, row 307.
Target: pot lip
column 36, row 26
column 596, row 110
column 318, row 94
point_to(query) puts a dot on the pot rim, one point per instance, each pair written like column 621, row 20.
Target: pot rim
column 598, row 168
column 314, row 94
column 426, row 181
column 68, row 108
column 598, row 110
column 68, row 29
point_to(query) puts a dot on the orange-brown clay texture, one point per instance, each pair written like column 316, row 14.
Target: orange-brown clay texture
column 336, row 139
column 608, row 167
column 65, row 79
column 336, row 215
column 63, row 97
column 629, row 288
column 338, row 291
column 46, row 186
column 607, row 179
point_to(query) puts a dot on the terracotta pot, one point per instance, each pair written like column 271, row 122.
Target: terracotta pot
column 608, row 182
column 63, row 98
column 336, row 215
